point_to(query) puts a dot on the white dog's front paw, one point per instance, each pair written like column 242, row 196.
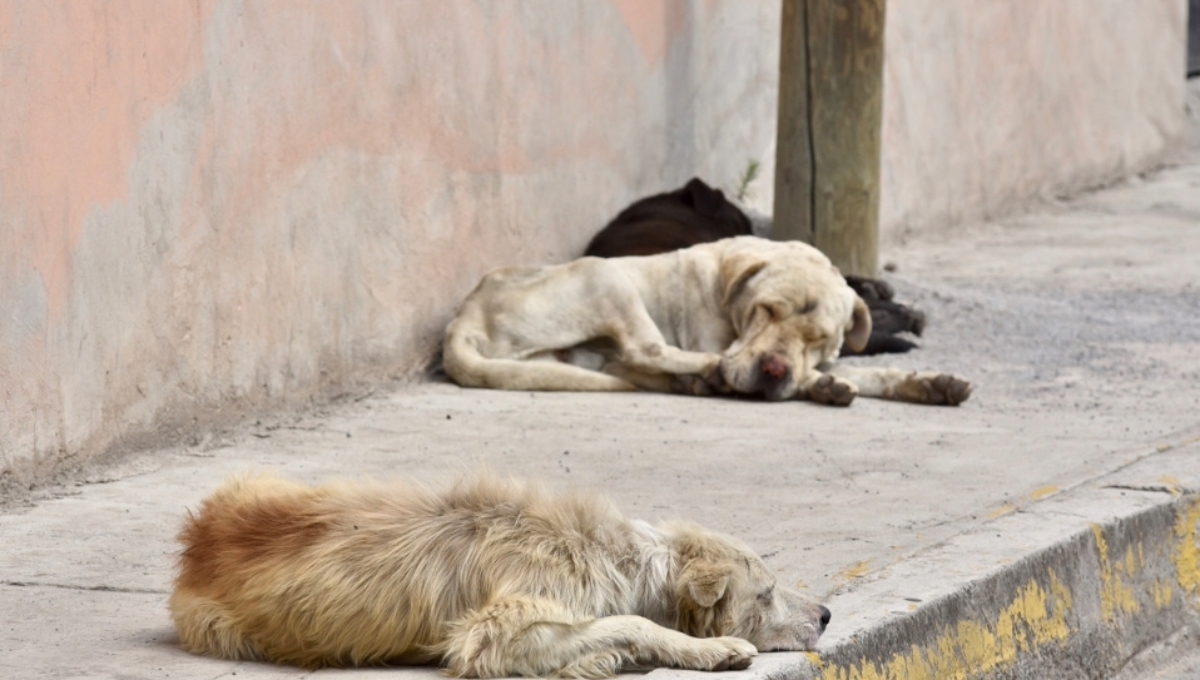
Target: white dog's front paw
column 702, row 385
column 692, row 385
column 727, row 654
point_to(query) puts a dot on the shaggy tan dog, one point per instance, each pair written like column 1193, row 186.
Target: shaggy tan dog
column 493, row 578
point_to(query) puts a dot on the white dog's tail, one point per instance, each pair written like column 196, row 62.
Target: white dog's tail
column 467, row 367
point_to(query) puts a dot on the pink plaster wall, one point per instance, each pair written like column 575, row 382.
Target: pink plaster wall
column 991, row 103
column 213, row 207
column 209, row 208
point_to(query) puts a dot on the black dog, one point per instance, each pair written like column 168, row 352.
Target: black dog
column 698, row 213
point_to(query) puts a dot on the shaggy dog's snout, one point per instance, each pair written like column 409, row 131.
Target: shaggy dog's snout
column 774, row 373
column 826, row 616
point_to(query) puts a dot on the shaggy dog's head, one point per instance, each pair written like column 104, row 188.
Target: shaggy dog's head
column 791, row 310
column 723, row 588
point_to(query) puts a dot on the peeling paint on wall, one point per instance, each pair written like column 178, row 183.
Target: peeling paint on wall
column 79, row 81
column 212, row 207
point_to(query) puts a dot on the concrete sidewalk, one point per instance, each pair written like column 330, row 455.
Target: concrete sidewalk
column 1046, row 528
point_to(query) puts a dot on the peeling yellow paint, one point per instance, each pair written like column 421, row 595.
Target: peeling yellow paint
column 1002, row 511
column 815, row 660
column 1034, row 618
column 854, row 571
column 1172, row 484
column 1134, row 562
column 1163, row 593
column 1039, row 494
column 1115, row 596
column 1037, row 616
column 1187, row 548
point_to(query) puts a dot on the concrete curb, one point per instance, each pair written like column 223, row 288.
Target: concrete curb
column 1077, row 585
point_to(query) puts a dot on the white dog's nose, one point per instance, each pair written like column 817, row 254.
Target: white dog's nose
column 774, row 374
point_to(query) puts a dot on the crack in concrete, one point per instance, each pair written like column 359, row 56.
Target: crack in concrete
column 1171, row 489
column 66, row 586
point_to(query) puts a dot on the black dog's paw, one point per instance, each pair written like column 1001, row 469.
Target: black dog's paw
column 871, row 290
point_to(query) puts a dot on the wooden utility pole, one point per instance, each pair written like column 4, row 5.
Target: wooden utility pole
column 830, row 119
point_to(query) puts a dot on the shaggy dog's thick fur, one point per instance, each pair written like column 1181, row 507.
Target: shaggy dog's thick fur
column 492, row 578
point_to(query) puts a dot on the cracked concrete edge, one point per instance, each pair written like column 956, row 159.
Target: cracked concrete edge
column 1077, row 585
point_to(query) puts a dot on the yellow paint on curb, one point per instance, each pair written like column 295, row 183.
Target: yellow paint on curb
column 1186, row 556
column 1039, row 494
column 1163, row 593
column 1037, row 617
column 854, row 571
column 1172, row 485
column 1033, row 619
column 1115, row 596
column 1002, row 511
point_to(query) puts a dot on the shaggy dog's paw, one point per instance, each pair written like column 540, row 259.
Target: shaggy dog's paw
column 726, row 654
column 832, row 391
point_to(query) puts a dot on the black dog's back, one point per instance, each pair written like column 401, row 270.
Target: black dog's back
column 696, row 213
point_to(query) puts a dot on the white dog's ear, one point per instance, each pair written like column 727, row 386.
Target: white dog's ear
column 736, row 270
column 705, row 581
column 860, row 330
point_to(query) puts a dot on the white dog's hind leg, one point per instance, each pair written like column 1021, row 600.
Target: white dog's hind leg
column 899, row 385
column 536, row 637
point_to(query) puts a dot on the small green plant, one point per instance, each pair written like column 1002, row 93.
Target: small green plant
column 748, row 177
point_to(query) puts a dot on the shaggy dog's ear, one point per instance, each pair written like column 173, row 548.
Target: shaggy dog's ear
column 736, row 270
column 704, row 581
column 700, row 591
column 860, row 330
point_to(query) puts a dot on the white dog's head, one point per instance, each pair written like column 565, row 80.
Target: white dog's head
column 723, row 588
column 791, row 310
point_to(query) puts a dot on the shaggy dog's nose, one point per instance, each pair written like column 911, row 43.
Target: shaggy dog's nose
column 826, row 615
